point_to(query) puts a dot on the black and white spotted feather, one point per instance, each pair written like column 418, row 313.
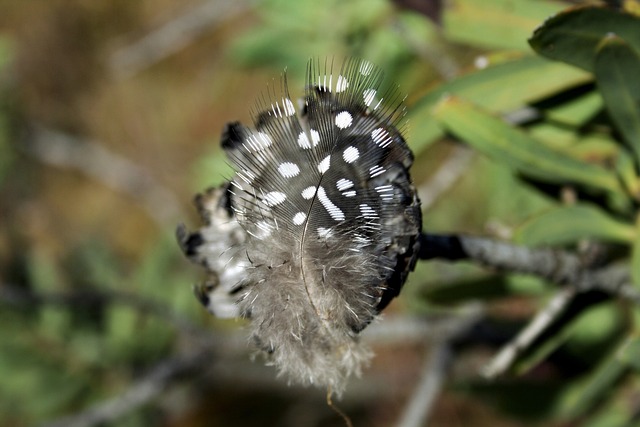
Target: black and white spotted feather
column 329, row 221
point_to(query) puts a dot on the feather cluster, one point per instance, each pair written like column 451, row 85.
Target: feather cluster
column 326, row 221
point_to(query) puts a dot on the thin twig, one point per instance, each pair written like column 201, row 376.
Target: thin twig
column 174, row 36
column 431, row 382
column 429, row 328
column 436, row 368
column 137, row 394
column 525, row 338
column 118, row 173
column 448, row 173
column 556, row 266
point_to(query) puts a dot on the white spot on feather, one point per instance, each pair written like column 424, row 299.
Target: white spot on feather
column 322, row 83
column 259, row 141
column 367, row 211
column 303, row 139
column 309, row 192
column 385, row 191
column 299, row 218
column 274, row 198
column 376, row 170
column 344, row 184
column 350, row 154
column 288, row 169
column 366, row 68
column 289, row 109
column 323, row 166
column 344, row 120
column 381, row 137
column 368, row 95
column 334, row 211
column 342, row 84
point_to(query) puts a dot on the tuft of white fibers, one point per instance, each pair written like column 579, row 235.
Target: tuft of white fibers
column 305, row 308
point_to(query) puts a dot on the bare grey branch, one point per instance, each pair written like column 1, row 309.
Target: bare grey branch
column 116, row 172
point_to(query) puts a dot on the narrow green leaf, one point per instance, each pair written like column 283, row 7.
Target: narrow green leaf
column 501, row 24
column 617, row 67
column 616, row 412
column 578, row 111
column 631, row 352
column 635, row 259
column 512, row 147
column 626, row 169
column 596, row 387
column 595, row 327
column 574, row 35
column 595, row 148
column 499, row 88
column 568, row 224
column 590, row 147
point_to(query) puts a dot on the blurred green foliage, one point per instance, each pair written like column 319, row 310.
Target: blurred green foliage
column 602, row 173
column 66, row 236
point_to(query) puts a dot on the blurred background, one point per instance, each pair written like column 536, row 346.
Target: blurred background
column 110, row 116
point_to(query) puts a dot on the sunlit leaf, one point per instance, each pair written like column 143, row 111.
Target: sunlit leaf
column 569, row 224
column 578, row 111
column 632, row 6
column 501, row 24
column 573, row 36
column 510, row 146
column 499, row 88
column 590, row 147
column 617, row 67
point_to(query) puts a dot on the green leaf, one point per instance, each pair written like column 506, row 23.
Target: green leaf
column 596, row 387
column 635, row 260
column 626, row 170
column 568, row 224
column 499, row 88
column 577, row 331
column 616, row 412
column 578, row 111
column 617, row 67
column 590, row 147
column 512, row 147
column 631, row 352
column 573, row 36
column 290, row 31
column 501, row 24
